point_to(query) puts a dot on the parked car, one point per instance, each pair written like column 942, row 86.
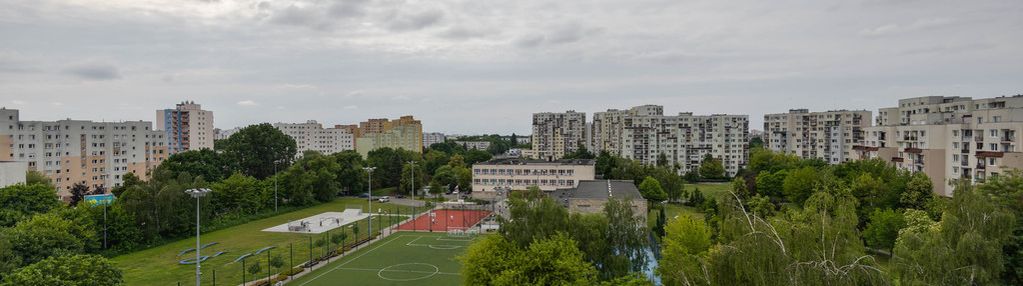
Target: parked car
column 384, row 199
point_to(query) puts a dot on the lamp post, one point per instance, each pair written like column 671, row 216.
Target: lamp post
column 197, row 193
column 369, row 192
column 275, row 186
column 413, row 171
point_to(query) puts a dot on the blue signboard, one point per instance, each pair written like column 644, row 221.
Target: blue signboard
column 99, row 200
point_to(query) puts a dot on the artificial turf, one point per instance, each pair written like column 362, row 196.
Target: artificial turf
column 159, row 265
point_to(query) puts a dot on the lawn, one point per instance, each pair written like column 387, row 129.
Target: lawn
column 710, row 190
column 159, row 265
column 404, row 258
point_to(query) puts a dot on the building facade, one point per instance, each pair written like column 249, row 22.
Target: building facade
column 829, row 135
column 645, row 134
column 951, row 139
column 432, row 138
column 403, row 133
column 311, row 136
column 556, row 134
column 186, row 127
column 96, row 154
column 12, row 172
column 221, row 134
column 520, row 174
column 474, row 145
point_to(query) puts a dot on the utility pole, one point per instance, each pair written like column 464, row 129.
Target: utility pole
column 369, row 191
column 197, row 193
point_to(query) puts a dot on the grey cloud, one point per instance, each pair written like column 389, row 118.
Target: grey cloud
column 461, row 33
column 94, row 71
column 557, row 35
column 895, row 29
column 415, row 21
column 348, row 8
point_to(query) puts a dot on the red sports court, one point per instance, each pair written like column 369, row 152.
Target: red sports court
column 443, row 219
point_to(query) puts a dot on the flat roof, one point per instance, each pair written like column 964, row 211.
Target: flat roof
column 600, row 189
column 521, row 161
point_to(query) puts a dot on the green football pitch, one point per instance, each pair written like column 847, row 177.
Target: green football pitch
column 403, row 258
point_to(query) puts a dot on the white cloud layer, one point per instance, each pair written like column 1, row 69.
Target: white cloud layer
column 474, row 66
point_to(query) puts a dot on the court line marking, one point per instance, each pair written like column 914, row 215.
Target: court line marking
column 360, row 256
column 388, row 270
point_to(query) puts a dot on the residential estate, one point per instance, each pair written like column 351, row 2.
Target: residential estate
column 828, row 135
column 96, row 154
column 187, row 127
column 519, row 174
column 311, row 136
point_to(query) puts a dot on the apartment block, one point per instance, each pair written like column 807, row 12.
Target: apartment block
column 187, row 127
column 97, row 154
column 951, row 139
column 432, row 138
column 12, row 172
column 520, row 174
column 402, row 133
column 829, row 135
column 221, row 134
column 311, row 136
column 644, row 133
column 474, row 145
column 556, row 134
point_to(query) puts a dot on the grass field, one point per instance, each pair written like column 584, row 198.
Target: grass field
column 159, row 265
column 710, row 190
column 404, row 258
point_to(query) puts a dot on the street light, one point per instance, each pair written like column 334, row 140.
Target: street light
column 413, row 171
column 369, row 191
column 197, row 193
column 275, row 186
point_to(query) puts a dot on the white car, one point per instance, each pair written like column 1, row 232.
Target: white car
column 384, row 199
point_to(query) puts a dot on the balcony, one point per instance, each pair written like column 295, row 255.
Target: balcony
column 981, row 166
column 898, row 159
column 990, row 154
column 912, row 150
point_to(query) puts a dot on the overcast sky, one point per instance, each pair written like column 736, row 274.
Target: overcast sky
column 483, row 66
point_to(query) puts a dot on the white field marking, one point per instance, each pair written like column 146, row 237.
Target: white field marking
column 408, row 271
column 353, row 259
column 435, row 246
column 429, row 274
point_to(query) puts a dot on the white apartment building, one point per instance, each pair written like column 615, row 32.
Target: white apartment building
column 312, row 136
column 474, row 145
column 951, row 139
column 12, row 172
column 829, row 135
column 643, row 133
column 221, row 134
column 187, row 127
column 556, row 134
column 432, row 138
column 97, row 154
column 520, row 174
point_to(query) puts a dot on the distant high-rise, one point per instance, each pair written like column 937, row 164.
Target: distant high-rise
column 828, row 136
column 951, row 139
column 557, row 133
column 95, row 154
column 187, row 127
column 402, row 133
column 432, row 138
column 311, row 136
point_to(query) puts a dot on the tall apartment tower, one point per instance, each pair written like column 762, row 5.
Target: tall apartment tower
column 311, row 136
column 557, row 133
column 644, row 133
column 829, row 136
column 187, row 127
column 951, row 139
column 402, row 133
column 96, row 154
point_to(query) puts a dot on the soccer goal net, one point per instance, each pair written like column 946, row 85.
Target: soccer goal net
column 463, row 231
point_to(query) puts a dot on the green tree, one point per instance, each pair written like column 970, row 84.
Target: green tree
column 42, row 236
column 756, row 142
column 919, row 192
column 18, row 202
column 257, row 149
column 883, row 228
column 685, row 244
column 761, row 206
column 1007, row 191
column 553, row 261
column 739, row 187
column 651, row 190
column 712, row 168
column 36, row 177
column 580, row 153
column 626, row 240
column 389, row 163
column 352, row 178
column 204, row 163
column 78, row 193
column 799, row 184
column 69, row 270
column 965, row 248
column 255, row 268
column 276, row 262
column 241, row 194
column 771, row 184
column 314, row 177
